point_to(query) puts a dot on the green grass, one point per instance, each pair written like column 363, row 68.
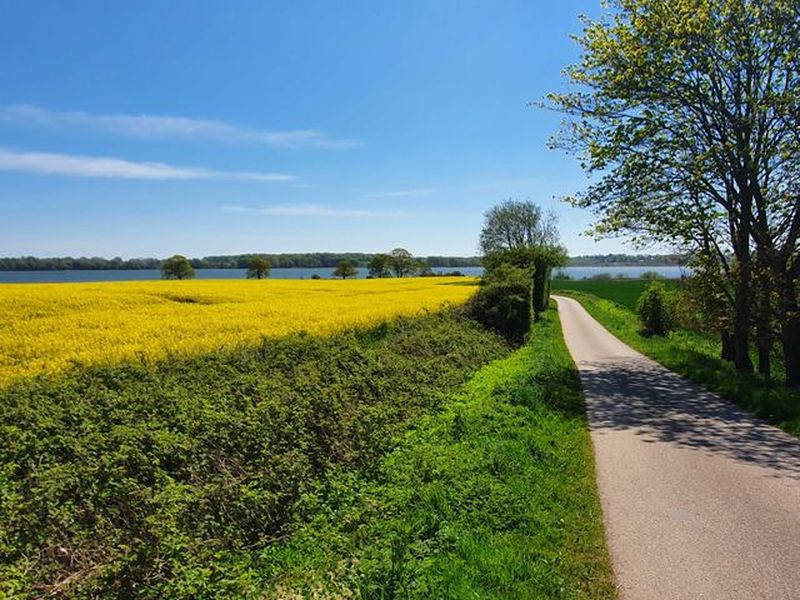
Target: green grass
column 696, row 356
column 624, row 292
column 494, row 497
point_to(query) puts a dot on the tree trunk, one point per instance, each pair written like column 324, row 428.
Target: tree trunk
column 790, row 328
column 790, row 339
column 764, row 344
column 743, row 282
column 764, row 322
column 741, row 323
column 728, row 352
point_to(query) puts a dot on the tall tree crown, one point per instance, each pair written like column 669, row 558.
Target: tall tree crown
column 515, row 224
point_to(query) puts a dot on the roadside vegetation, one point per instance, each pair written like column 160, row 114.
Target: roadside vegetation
column 444, row 455
column 493, row 497
column 175, row 480
column 367, row 465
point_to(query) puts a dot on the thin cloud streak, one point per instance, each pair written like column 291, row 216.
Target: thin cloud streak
column 314, row 210
column 46, row 163
column 156, row 127
column 402, row 193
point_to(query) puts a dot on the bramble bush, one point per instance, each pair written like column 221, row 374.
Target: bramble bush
column 173, row 479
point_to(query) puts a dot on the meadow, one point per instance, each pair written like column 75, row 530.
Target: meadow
column 622, row 291
column 47, row 328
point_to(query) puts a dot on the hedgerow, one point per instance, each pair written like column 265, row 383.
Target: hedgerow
column 175, row 479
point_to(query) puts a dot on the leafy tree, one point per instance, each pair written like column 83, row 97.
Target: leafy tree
column 691, row 113
column 177, row 267
column 258, row 268
column 402, row 262
column 516, row 224
column 516, row 233
column 651, row 275
column 422, row 268
column 345, row 269
column 379, row 265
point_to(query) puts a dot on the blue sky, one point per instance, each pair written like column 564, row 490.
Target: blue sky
column 149, row 128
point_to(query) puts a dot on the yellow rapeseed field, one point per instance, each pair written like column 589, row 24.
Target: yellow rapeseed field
column 48, row 327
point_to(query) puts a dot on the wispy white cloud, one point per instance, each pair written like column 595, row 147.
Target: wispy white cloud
column 167, row 127
column 402, row 193
column 45, row 163
column 314, row 210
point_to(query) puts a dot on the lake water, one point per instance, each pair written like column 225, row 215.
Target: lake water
column 325, row 273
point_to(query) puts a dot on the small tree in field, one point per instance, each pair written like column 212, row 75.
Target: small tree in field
column 259, row 268
column 402, row 262
column 345, row 270
column 177, row 267
column 379, row 265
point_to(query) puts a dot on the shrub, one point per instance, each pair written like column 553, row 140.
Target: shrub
column 656, row 309
column 651, row 275
column 541, row 288
column 505, row 307
column 600, row 277
column 561, row 275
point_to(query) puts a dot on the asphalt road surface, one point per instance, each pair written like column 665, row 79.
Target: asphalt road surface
column 700, row 499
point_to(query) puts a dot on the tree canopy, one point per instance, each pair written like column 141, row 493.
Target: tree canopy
column 177, row 267
column 516, row 224
column 402, row 262
column 258, row 268
column 516, row 233
column 689, row 113
column 380, row 265
column 345, row 269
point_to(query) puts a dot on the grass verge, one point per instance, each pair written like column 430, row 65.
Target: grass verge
column 494, row 497
column 696, row 357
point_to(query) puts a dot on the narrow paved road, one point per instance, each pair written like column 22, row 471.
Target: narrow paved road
column 700, row 500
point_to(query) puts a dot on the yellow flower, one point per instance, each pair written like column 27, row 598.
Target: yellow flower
column 48, row 327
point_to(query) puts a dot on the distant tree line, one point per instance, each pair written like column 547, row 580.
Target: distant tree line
column 68, row 263
column 239, row 261
column 308, row 260
column 622, row 260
